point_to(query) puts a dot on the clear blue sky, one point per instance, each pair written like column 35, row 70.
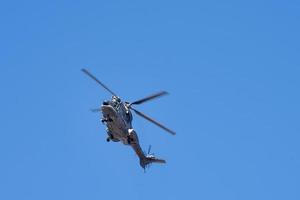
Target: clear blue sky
column 232, row 70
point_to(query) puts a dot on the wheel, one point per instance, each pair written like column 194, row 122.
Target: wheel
column 130, row 140
column 107, row 139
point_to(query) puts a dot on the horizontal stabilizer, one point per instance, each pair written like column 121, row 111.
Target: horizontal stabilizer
column 149, row 159
column 156, row 160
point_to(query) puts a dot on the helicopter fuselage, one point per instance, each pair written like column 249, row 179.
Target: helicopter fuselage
column 118, row 120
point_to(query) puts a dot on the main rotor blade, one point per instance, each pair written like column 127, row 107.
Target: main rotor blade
column 153, row 121
column 95, row 79
column 159, row 94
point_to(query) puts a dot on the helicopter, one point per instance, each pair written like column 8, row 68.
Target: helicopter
column 117, row 116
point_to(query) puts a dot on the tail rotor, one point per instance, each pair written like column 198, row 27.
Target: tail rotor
column 149, row 149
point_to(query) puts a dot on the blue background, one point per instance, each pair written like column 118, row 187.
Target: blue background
column 231, row 67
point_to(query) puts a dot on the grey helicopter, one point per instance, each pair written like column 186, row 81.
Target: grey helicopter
column 117, row 116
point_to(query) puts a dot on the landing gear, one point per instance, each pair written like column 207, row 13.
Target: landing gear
column 110, row 137
column 132, row 137
column 130, row 140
